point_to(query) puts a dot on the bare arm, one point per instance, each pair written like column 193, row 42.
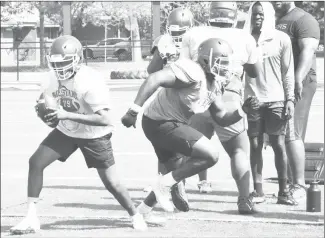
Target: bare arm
column 99, row 118
column 222, row 116
column 307, row 46
column 163, row 78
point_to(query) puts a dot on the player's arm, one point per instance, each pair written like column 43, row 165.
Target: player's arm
column 224, row 117
column 157, row 63
column 101, row 117
column 308, row 47
column 308, row 34
column 164, row 78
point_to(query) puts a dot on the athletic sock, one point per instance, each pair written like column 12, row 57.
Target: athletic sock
column 144, row 208
column 168, row 179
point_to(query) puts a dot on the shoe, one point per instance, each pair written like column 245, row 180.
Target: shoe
column 204, row 186
column 256, row 197
column 26, row 226
column 246, row 206
column 162, row 194
column 155, row 220
column 179, row 197
column 298, row 191
column 147, row 189
column 286, row 198
column 139, row 223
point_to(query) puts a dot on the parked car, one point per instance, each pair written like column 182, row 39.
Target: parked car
column 123, row 49
column 91, row 51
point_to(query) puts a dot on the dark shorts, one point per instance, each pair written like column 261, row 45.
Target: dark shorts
column 98, row 152
column 297, row 125
column 268, row 119
column 170, row 138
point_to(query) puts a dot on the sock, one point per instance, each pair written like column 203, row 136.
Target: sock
column 31, row 201
column 168, row 179
column 259, row 188
column 144, row 208
column 282, row 185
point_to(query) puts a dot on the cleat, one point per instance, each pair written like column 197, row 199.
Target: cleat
column 256, row 197
column 179, row 197
column 26, row 226
column 285, row 198
column 154, row 220
column 246, row 206
column 204, row 186
column 162, row 194
column 139, row 223
column 297, row 191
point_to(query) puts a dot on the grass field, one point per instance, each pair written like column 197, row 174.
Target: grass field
column 75, row 204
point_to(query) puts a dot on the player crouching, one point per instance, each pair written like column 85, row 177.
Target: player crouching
column 83, row 121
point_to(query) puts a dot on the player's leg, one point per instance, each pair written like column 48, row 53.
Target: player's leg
column 99, row 154
column 202, row 123
column 275, row 126
column 295, row 140
column 238, row 151
column 56, row 146
column 255, row 132
column 179, row 138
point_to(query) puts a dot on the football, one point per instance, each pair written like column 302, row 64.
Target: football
column 47, row 104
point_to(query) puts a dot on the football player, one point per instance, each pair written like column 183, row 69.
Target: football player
column 165, row 50
column 188, row 87
column 234, row 138
column 84, row 121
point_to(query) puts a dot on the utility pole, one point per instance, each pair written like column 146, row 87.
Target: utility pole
column 155, row 7
column 66, row 10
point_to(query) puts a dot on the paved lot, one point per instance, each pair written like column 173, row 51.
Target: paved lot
column 75, row 204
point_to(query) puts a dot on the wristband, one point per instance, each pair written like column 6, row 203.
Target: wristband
column 135, row 108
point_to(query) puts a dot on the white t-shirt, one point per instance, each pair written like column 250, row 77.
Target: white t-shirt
column 86, row 93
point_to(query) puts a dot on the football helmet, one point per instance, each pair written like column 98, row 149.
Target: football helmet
column 65, row 56
column 223, row 14
column 178, row 22
column 215, row 57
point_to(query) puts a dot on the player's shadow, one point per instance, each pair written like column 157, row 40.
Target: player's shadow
column 87, row 224
column 215, row 193
column 73, row 187
column 278, row 215
column 111, row 207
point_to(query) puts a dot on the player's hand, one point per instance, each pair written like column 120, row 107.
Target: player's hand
column 251, row 104
column 298, row 91
column 57, row 114
column 289, row 109
column 129, row 119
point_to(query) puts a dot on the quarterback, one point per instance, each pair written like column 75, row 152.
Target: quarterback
column 83, row 121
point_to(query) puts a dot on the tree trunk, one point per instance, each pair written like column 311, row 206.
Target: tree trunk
column 41, row 37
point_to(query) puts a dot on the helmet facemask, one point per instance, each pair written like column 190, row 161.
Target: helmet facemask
column 177, row 32
column 63, row 66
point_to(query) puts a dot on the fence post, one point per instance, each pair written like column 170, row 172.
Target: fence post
column 17, row 63
column 86, row 54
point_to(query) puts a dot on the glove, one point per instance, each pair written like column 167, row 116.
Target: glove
column 129, row 119
column 251, row 104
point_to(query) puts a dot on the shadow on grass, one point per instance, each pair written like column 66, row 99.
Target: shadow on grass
column 214, row 192
column 5, row 228
column 87, row 224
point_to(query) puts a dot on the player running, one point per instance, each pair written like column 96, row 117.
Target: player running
column 234, row 138
column 188, row 88
column 165, row 50
column 84, row 122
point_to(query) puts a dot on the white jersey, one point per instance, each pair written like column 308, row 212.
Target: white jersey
column 85, row 93
column 242, row 43
column 180, row 104
column 166, row 48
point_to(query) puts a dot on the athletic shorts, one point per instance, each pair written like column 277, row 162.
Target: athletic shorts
column 268, row 119
column 204, row 123
column 170, row 138
column 97, row 152
column 297, row 125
